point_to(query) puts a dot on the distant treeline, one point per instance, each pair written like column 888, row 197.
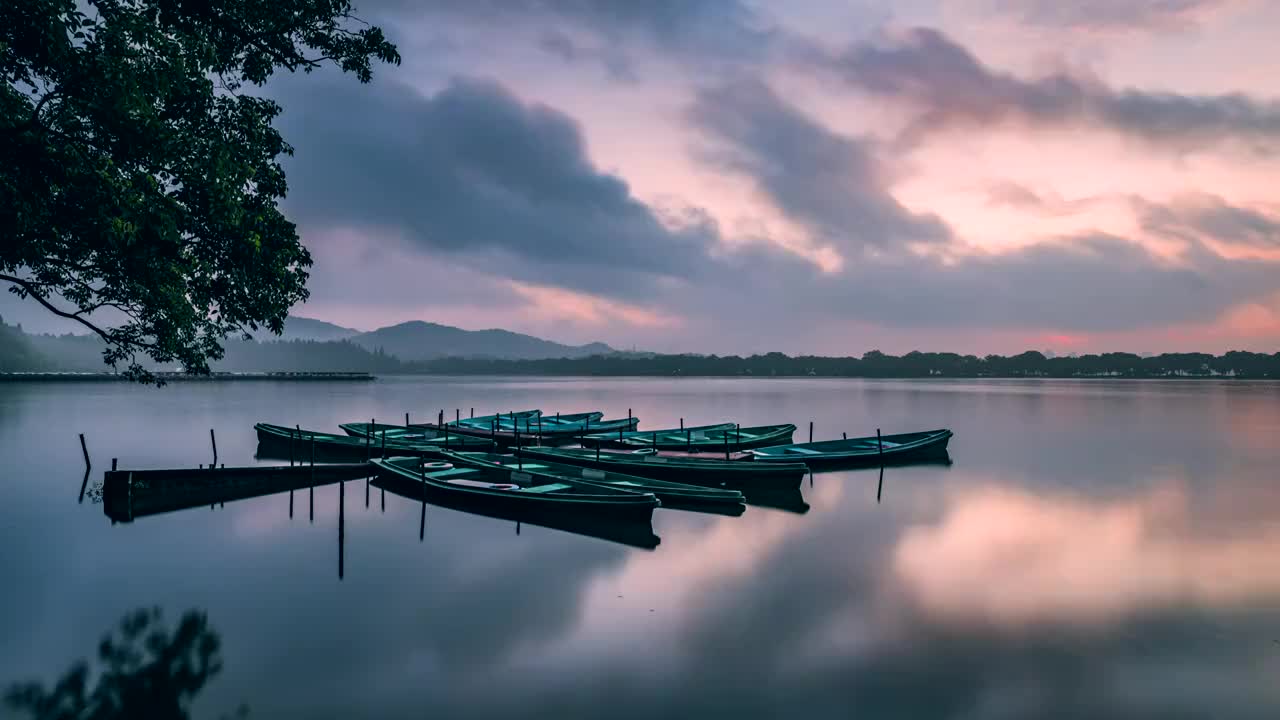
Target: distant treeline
column 20, row 352
column 878, row 364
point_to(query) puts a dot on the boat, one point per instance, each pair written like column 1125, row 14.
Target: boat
column 670, row 493
column 446, row 436
column 509, row 488
column 517, row 429
column 688, row 469
column 636, row 533
column 727, row 438
column 618, row 438
column 131, row 494
column 507, row 420
column 872, row 450
column 297, row 444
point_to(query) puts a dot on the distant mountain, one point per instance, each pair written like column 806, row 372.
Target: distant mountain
column 416, row 340
column 301, row 328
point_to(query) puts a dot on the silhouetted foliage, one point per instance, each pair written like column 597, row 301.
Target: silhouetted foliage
column 144, row 672
column 140, row 183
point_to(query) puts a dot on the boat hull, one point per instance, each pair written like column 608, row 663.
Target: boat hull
column 927, row 447
column 692, row 470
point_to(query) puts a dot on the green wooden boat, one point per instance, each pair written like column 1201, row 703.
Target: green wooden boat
column 507, row 487
column 301, row 446
column 634, row 532
column 503, row 421
column 547, row 426
column 618, row 438
column 447, row 437
column 688, row 469
column 719, row 439
column 873, row 450
column 670, row 493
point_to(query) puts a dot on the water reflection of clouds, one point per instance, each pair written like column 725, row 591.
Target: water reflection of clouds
column 1011, row 557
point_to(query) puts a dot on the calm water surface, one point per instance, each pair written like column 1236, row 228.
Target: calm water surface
column 1097, row 550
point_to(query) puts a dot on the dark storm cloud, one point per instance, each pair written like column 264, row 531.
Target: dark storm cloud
column 715, row 31
column 1086, row 283
column 1211, row 217
column 948, row 87
column 833, row 184
column 503, row 186
column 1111, row 14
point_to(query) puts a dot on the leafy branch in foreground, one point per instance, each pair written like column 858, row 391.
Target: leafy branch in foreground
column 140, row 185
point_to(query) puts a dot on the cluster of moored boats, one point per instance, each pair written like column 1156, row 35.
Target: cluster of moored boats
column 608, row 468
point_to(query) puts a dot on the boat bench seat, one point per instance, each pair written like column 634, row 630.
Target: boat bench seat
column 553, row 487
column 453, row 471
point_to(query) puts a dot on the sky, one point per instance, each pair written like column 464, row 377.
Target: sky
column 806, row 176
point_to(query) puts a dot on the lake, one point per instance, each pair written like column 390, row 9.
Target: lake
column 1097, row 549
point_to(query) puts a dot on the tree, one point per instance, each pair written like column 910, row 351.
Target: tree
column 138, row 183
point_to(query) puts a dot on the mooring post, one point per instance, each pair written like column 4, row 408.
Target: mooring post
column 440, row 418
column 84, row 484
column 290, row 504
column 113, row 464
column 457, row 415
column 85, row 451
column 880, row 445
column 214, row 442
column 406, row 419
column 726, row 446
column 737, row 429
column 688, row 441
column 473, row 412
column 368, row 442
column 384, row 444
column 519, row 458
column 311, row 504
column 619, row 434
column 810, row 431
column 681, row 423
column 342, row 516
column 290, row 447
column 880, row 485
column 446, row 437
column 628, row 416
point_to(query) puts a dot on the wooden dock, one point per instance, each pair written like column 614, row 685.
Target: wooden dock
column 130, row 494
column 189, row 377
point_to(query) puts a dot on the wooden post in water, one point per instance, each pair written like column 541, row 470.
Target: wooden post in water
column 384, row 444
column 290, row 447
column 440, row 418
column 342, row 517
column 473, row 412
column 368, row 442
column 457, row 415
column 290, row 504
column 810, row 431
column 880, row 485
column 681, row 423
column 214, row 442
column 406, row 419
column 737, row 430
column 726, row 446
column 113, row 464
column 844, row 436
column 688, row 441
column 85, row 451
column 880, row 445
column 446, row 437
column 519, row 458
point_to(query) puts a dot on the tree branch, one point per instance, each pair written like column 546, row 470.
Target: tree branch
column 33, row 291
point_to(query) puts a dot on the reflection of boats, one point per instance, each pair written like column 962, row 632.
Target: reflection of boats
column 679, row 468
column 705, row 439
column 875, row 450
column 130, row 494
column 789, row 499
column 670, row 493
column 277, row 441
column 638, row 533
column 511, row 488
